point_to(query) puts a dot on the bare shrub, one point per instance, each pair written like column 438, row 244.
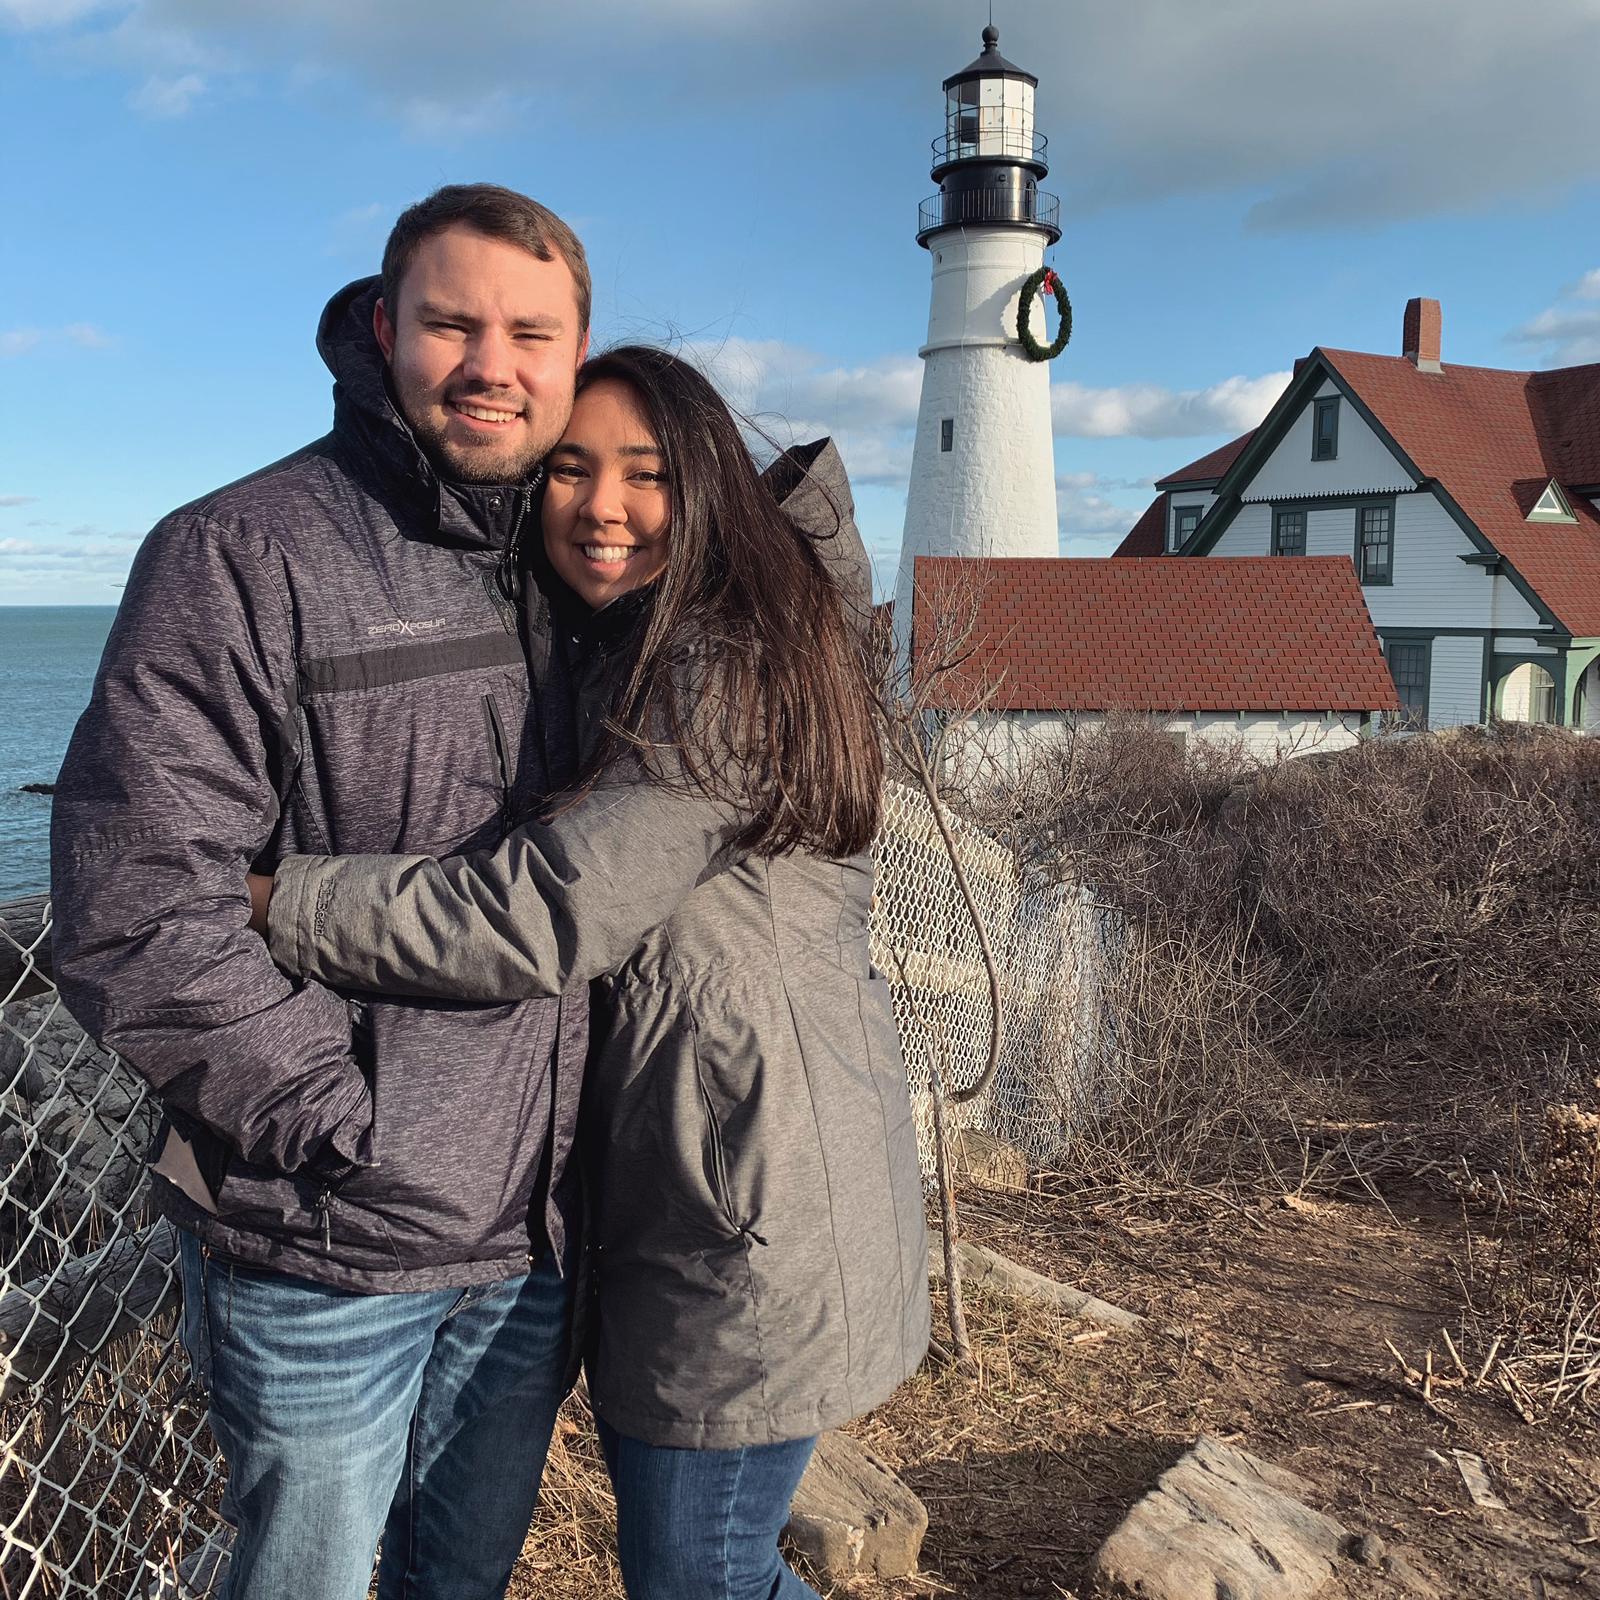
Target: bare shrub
column 1425, row 902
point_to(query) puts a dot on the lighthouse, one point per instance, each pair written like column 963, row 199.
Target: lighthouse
column 982, row 468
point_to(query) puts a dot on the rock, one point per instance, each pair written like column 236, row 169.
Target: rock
column 1221, row 1523
column 1369, row 1551
column 991, row 1270
column 981, row 1158
column 36, row 788
column 852, row 1515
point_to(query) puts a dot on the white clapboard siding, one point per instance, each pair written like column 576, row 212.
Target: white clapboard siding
column 1432, row 588
column 1364, row 461
column 1455, row 681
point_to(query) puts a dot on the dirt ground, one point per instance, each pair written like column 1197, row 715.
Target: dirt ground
column 1275, row 1318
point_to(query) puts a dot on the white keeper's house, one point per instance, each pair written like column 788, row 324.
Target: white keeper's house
column 1467, row 498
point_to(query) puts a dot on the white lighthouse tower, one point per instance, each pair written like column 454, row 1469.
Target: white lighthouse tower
column 983, row 469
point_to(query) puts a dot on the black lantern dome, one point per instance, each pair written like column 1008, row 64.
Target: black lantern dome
column 990, row 160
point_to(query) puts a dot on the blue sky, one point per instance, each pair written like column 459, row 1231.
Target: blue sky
column 1240, row 180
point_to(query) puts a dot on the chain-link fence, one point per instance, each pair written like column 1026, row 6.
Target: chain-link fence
column 1050, row 949
column 109, row 1480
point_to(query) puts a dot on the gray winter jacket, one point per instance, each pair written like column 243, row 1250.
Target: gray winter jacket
column 323, row 656
column 761, row 1263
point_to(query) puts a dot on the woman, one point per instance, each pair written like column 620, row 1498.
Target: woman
column 758, row 1239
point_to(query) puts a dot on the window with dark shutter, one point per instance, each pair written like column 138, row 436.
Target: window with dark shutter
column 947, row 433
column 1408, row 666
column 1289, row 532
column 1375, row 543
column 1185, row 519
column 1325, row 429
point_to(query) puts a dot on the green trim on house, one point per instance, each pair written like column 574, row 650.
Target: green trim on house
column 1317, row 371
column 1581, row 654
column 1504, row 664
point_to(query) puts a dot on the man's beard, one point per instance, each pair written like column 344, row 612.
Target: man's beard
column 489, row 462
column 481, row 464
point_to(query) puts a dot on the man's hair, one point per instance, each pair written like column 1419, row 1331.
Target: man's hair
column 497, row 213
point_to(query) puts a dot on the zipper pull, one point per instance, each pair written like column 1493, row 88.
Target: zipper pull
column 321, row 1209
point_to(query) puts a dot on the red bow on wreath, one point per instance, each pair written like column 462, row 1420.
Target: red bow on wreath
column 1049, row 284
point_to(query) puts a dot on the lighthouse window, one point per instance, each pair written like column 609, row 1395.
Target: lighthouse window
column 947, row 433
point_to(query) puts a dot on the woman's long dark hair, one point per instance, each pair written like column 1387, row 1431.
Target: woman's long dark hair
column 748, row 671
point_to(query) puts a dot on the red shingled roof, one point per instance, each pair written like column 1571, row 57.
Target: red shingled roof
column 1492, row 438
column 1246, row 633
column 1210, row 467
column 1148, row 536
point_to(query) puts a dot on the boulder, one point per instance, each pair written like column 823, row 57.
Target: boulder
column 852, row 1515
column 1221, row 1523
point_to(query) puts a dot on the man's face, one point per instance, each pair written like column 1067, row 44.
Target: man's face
column 483, row 348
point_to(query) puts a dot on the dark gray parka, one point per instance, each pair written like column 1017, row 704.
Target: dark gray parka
column 322, row 657
column 761, row 1264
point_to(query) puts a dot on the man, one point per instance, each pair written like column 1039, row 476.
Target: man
column 327, row 656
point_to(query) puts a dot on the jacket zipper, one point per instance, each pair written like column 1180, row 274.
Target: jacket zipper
column 719, row 1167
column 497, row 738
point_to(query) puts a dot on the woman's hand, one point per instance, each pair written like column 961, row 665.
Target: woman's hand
column 260, row 886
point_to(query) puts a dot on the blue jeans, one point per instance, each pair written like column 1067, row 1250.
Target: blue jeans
column 704, row 1524
column 424, row 1417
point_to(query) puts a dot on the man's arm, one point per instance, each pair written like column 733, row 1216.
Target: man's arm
column 168, row 793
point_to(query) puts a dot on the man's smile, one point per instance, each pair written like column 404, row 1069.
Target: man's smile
column 483, row 415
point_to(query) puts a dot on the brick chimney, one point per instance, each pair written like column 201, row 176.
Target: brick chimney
column 1419, row 342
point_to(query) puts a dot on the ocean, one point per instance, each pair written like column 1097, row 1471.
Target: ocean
column 48, row 655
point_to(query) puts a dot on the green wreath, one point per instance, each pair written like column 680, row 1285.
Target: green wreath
column 1044, row 278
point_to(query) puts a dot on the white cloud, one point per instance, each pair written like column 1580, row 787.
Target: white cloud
column 8, row 500
column 1362, row 112
column 87, row 336
column 792, row 395
column 20, row 341
column 28, row 14
column 1568, row 333
column 167, row 98
column 1151, row 411
column 17, row 547
column 1091, row 523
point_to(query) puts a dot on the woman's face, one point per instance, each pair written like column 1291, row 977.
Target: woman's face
column 605, row 502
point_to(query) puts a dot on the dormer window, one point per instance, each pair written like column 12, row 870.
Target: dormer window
column 1552, row 506
column 1185, row 519
column 1325, row 429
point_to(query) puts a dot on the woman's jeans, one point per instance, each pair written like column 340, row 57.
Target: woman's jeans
column 422, row 1416
column 704, row 1524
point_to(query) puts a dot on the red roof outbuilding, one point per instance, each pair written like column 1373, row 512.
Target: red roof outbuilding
column 1110, row 634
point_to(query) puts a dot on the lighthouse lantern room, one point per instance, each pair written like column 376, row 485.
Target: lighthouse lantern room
column 983, row 466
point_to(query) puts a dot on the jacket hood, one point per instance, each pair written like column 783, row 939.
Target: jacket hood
column 813, row 488
column 368, row 423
